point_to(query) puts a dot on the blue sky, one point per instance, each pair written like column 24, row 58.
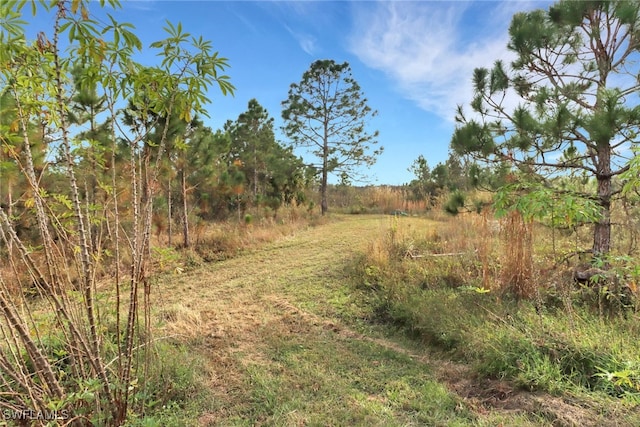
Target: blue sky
column 412, row 59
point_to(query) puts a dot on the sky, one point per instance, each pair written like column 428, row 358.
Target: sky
column 412, row 59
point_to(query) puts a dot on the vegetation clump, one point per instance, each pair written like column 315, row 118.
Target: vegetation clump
column 484, row 297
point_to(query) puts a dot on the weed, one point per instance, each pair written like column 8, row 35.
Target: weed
column 166, row 259
column 625, row 382
column 172, row 393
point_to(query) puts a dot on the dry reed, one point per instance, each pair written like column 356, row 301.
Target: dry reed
column 517, row 265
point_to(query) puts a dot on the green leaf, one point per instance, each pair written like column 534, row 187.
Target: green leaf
column 169, row 28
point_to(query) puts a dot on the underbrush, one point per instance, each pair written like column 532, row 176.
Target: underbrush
column 173, row 391
column 167, row 390
column 222, row 240
column 456, row 286
column 374, row 200
column 161, row 381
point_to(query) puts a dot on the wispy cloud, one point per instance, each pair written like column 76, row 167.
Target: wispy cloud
column 318, row 26
column 429, row 48
column 306, row 41
column 245, row 21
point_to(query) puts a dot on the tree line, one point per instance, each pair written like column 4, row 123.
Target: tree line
column 201, row 173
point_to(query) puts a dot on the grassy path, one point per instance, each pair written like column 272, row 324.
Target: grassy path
column 278, row 328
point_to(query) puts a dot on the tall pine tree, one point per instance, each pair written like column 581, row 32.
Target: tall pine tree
column 327, row 112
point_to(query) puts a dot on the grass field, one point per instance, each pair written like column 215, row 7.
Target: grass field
column 280, row 335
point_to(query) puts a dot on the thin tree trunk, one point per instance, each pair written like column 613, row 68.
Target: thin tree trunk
column 83, row 231
column 93, row 183
column 136, row 257
column 116, row 235
column 255, row 175
column 323, row 193
column 10, row 214
column 324, row 206
column 185, row 211
column 169, row 216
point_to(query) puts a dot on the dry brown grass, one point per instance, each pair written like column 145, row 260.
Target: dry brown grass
column 215, row 241
column 517, row 264
column 390, row 199
column 181, row 321
column 474, row 249
column 378, row 199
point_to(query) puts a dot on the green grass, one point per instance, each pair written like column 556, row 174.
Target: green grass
column 322, row 381
column 567, row 350
column 310, row 330
column 173, row 392
column 538, row 350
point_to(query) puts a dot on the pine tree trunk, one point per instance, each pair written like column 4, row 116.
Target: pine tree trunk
column 325, row 173
column 255, row 176
column 602, row 229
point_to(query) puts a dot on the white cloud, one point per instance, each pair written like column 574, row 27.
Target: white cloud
column 306, row 41
column 246, row 22
column 302, row 19
column 429, row 49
